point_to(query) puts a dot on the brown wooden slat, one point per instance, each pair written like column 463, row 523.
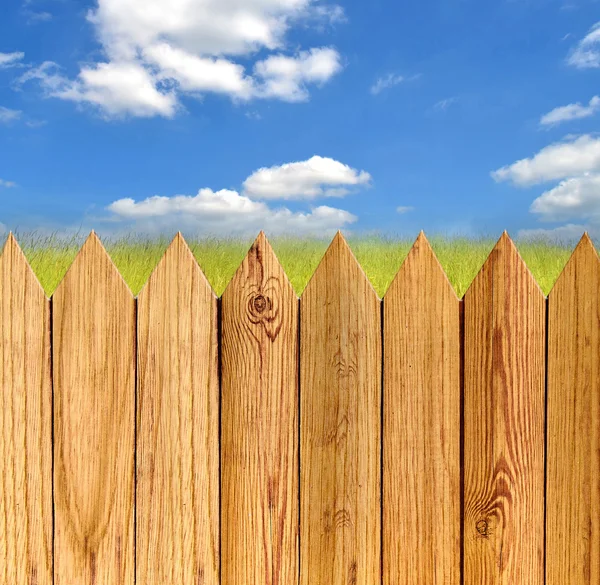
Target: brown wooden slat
column 504, row 423
column 177, row 502
column 93, row 327
column 421, row 424
column 25, row 424
column 259, row 447
column 340, row 410
column 573, row 468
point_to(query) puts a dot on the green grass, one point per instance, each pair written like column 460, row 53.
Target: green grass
column 380, row 258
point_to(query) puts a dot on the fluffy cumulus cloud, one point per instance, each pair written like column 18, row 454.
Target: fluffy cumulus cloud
column 215, row 212
column 574, row 198
column 225, row 211
column 586, row 54
column 575, row 163
column 571, row 112
column 316, row 177
column 568, row 158
column 156, row 51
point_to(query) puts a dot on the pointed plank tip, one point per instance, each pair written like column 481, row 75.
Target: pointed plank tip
column 585, row 240
column 422, row 239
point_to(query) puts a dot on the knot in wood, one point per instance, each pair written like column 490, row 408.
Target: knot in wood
column 482, row 527
column 260, row 303
column 259, row 307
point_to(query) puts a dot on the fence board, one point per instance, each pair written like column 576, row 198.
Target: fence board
column 25, row 424
column 177, row 501
column 259, row 448
column 421, row 418
column 93, row 322
column 504, row 423
column 340, row 409
column 573, row 478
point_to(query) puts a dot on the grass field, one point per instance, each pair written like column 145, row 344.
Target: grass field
column 380, row 258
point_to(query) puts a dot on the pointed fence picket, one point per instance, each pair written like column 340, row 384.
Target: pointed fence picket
column 259, row 423
column 421, row 424
column 340, row 420
column 504, row 345
column 177, row 448
column 25, row 424
column 336, row 439
column 93, row 355
column 573, row 488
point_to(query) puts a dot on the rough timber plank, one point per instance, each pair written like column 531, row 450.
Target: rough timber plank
column 177, row 502
column 93, row 324
column 25, row 424
column 504, row 336
column 421, row 424
column 573, row 469
column 340, row 409
column 259, row 448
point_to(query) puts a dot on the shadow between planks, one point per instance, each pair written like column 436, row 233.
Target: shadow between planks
column 331, row 439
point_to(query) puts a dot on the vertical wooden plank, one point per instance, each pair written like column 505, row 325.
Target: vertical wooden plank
column 340, row 410
column 93, row 327
column 421, row 424
column 573, row 468
column 177, row 502
column 504, row 337
column 25, row 424
column 259, row 448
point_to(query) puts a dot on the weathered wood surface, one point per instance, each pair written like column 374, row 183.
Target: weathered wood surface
column 421, row 424
column 340, row 410
column 177, row 497
column 573, row 468
column 504, row 439
column 93, row 349
column 25, row 424
column 259, row 425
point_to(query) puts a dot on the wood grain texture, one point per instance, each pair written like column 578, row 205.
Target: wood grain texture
column 25, row 424
column 93, row 322
column 340, row 410
column 504, row 337
column 573, row 469
column 259, row 447
column 177, row 501
column 421, row 424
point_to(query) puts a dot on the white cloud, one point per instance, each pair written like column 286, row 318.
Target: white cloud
column 190, row 46
column 8, row 115
column 577, row 197
column 225, row 211
column 586, row 54
column 316, row 177
column 404, row 209
column 386, row 82
column 117, row 88
column 571, row 112
column 10, row 59
column 285, row 77
column 194, row 73
column 569, row 158
column 7, row 184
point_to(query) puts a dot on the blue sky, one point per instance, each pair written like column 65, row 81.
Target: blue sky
column 225, row 117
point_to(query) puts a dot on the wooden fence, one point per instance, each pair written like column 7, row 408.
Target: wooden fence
column 337, row 439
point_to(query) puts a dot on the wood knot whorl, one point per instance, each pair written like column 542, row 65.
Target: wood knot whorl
column 262, row 306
